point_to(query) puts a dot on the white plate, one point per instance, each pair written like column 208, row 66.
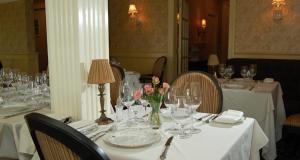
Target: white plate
column 179, row 113
column 132, row 138
column 234, row 86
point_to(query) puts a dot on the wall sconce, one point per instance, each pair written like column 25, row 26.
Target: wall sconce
column 202, row 29
column 203, row 24
column 132, row 11
column 277, row 10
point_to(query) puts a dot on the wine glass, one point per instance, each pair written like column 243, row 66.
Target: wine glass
column 244, row 70
column 172, row 103
column 193, row 100
column 221, row 70
column 127, row 98
column 229, row 71
column 252, row 70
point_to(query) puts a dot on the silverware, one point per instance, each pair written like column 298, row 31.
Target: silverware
column 200, row 119
column 210, row 118
column 97, row 136
column 167, row 146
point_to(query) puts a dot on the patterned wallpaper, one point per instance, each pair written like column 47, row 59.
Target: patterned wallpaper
column 16, row 34
column 151, row 35
column 257, row 32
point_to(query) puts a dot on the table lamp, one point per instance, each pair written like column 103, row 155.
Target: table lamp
column 213, row 62
column 101, row 73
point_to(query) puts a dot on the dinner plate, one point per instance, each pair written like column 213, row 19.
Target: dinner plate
column 234, row 86
column 132, row 138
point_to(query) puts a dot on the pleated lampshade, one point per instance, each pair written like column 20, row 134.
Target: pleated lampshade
column 213, row 60
column 100, row 72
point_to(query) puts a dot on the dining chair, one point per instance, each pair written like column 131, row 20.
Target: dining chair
column 55, row 140
column 115, row 87
column 212, row 97
column 292, row 124
column 157, row 70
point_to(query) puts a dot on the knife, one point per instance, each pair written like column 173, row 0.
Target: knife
column 167, row 146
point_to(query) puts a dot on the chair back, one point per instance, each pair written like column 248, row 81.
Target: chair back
column 212, row 97
column 159, row 67
column 116, row 86
column 55, row 140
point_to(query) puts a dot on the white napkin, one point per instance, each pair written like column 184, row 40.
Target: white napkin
column 230, row 116
column 268, row 80
column 102, row 128
column 14, row 104
column 81, row 124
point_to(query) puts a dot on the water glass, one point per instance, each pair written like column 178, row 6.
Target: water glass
column 244, row 71
column 221, row 70
column 252, row 70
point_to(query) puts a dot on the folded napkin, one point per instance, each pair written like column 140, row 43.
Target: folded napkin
column 81, row 124
column 230, row 116
column 268, row 80
column 13, row 104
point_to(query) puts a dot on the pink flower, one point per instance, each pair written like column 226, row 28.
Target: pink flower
column 148, row 89
column 166, row 86
column 155, row 80
column 137, row 94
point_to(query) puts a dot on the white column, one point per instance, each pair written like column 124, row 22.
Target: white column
column 77, row 32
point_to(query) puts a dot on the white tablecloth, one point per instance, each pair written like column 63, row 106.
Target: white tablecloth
column 15, row 139
column 215, row 142
column 264, row 103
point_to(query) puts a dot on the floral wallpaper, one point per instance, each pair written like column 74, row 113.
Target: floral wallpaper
column 16, row 29
column 148, row 34
column 257, row 32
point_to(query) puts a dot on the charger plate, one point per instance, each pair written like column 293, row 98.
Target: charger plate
column 132, row 138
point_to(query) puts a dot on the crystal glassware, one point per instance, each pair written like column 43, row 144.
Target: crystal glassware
column 244, row 70
column 252, row 70
column 221, row 70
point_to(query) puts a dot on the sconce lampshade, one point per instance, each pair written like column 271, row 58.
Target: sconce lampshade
column 213, row 60
column 100, row 72
column 278, row 3
column 132, row 10
column 203, row 23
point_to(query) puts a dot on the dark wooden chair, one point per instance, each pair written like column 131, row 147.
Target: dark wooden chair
column 115, row 87
column 157, row 70
column 55, row 140
column 212, row 96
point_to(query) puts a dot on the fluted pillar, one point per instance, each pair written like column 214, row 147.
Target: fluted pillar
column 77, row 32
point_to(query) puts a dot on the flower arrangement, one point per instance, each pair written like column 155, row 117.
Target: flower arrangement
column 154, row 93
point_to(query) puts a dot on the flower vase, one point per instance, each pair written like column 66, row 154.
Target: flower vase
column 155, row 115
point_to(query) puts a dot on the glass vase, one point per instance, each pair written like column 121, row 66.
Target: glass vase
column 155, row 114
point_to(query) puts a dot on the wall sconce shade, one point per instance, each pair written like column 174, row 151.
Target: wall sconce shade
column 203, row 23
column 132, row 11
column 277, row 10
column 213, row 60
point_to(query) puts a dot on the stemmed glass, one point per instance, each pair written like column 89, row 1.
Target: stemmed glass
column 244, row 71
column 229, row 71
column 172, row 103
column 127, row 98
column 252, row 70
column 221, row 70
column 192, row 100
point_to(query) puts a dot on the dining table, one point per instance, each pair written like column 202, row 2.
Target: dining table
column 261, row 100
column 15, row 139
column 216, row 141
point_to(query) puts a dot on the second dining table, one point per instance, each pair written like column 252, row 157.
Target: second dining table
column 262, row 101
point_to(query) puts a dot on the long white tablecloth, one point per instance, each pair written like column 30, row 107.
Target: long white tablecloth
column 15, row 139
column 264, row 103
column 215, row 142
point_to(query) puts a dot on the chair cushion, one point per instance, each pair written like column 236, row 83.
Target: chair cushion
column 293, row 120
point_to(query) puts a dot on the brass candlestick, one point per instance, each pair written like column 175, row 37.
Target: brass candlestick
column 102, row 120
